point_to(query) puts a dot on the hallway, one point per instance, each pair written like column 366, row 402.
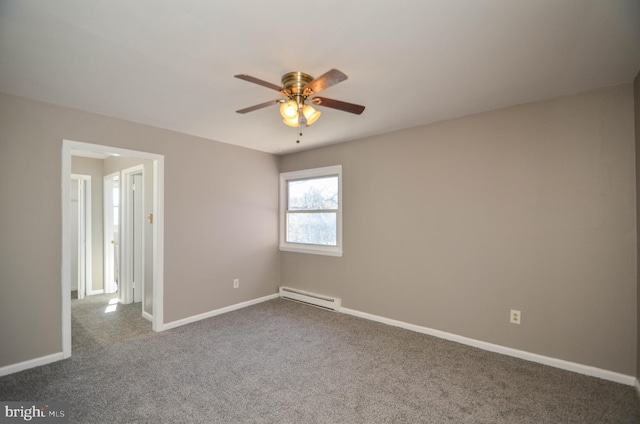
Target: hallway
column 98, row 321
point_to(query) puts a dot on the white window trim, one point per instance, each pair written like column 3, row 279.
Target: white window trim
column 314, row 249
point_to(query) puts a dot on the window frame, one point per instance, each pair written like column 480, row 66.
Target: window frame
column 310, row 174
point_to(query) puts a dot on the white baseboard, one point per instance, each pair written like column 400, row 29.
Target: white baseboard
column 215, row 312
column 147, row 316
column 92, row 292
column 557, row 363
column 533, row 357
column 21, row 366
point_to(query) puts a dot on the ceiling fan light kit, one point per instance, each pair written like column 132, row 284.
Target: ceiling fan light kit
column 310, row 114
column 289, row 110
column 297, row 87
column 292, row 122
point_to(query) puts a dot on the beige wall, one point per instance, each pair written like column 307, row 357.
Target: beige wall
column 451, row 225
column 447, row 226
column 220, row 219
column 93, row 167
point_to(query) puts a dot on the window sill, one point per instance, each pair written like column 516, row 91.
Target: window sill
column 312, row 250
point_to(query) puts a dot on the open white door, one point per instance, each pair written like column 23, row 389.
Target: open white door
column 81, row 269
column 76, row 252
column 111, row 214
column 132, row 235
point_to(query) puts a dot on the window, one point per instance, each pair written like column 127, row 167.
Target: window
column 311, row 211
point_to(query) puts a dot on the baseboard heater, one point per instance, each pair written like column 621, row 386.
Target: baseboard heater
column 324, row 302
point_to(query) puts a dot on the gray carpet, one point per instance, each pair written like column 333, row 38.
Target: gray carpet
column 283, row 362
column 93, row 327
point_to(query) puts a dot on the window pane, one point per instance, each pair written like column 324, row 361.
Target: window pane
column 315, row 194
column 312, row 228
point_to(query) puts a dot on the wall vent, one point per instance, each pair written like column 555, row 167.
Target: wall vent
column 324, row 302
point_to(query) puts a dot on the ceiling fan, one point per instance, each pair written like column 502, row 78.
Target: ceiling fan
column 297, row 87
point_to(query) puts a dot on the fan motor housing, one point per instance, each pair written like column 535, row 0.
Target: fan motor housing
column 295, row 81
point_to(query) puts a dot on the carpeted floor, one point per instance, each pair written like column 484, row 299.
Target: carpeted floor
column 93, row 326
column 283, row 362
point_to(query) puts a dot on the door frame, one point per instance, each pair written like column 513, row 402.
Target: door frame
column 85, row 265
column 158, row 231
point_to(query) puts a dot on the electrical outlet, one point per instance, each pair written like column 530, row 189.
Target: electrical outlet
column 516, row 317
column 236, row 283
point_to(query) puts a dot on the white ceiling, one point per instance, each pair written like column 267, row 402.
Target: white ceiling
column 170, row 63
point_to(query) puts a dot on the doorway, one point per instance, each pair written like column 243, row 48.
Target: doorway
column 156, row 245
column 80, row 214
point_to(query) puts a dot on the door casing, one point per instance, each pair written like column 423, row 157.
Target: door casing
column 158, row 232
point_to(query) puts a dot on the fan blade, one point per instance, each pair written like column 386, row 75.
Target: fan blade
column 259, row 82
column 338, row 104
column 324, row 81
column 256, row 107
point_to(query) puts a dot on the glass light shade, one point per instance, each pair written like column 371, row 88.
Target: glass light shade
column 289, row 110
column 311, row 114
column 292, row 122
